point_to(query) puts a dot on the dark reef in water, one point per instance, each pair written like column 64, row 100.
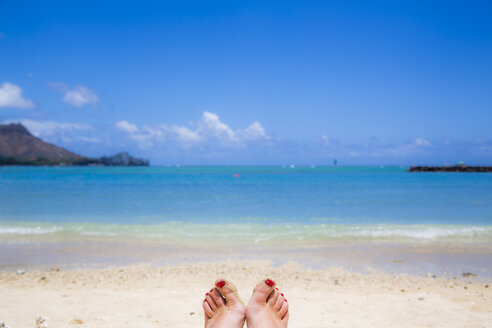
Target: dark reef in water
column 455, row 168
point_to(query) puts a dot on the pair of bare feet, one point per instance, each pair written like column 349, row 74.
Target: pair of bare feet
column 267, row 307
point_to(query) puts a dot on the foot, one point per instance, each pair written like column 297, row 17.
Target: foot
column 267, row 307
column 222, row 306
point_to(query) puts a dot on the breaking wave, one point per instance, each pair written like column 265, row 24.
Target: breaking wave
column 249, row 233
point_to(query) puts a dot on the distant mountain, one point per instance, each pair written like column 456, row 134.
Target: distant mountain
column 17, row 142
column 19, row 147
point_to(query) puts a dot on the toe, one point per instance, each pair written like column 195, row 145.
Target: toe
column 273, row 298
column 280, row 302
column 219, row 300
column 263, row 290
column 211, row 302
column 284, row 312
column 228, row 290
column 207, row 309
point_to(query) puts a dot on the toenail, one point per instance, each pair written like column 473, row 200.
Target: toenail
column 211, row 290
column 206, row 294
column 220, row 284
column 276, row 288
column 285, row 300
column 281, row 294
column 269, row 283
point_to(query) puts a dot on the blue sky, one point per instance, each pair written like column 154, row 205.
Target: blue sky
column 246, row 82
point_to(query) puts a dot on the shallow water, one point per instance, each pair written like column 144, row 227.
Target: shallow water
column 255, row 204
column 356, row 217
column 335, row 201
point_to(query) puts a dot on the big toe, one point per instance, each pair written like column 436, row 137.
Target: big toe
column 228, row 291
column 262, row 291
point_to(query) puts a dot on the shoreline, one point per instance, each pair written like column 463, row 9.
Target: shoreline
column 332, row 230
column 431, row 258
column 170, row 296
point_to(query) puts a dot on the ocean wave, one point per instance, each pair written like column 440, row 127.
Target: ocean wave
column 256, row 233
column 421, row 232
column 25, row 231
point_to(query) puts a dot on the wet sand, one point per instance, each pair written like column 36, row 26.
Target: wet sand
column 171, row 296
column 435, row 258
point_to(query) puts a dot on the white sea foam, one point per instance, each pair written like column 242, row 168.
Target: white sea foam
column 254, row 233
column 423, row 232
column 23, row 231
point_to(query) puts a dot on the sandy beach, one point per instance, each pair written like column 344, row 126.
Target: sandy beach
column 171, row 296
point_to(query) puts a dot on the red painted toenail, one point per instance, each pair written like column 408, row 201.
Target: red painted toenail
column 269, row 283
column 206, row 294
column 220, row 284
column 281, row 294
column 285, row 300
column 211, row 290
column 276, row 288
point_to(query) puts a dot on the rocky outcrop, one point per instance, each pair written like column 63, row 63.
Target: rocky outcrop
column 122, row 159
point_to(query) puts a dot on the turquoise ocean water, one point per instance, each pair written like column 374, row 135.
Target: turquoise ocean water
column 245, row 204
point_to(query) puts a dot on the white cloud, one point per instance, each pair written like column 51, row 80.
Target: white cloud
column 11, row 96
column 89, row 140
column 255, row 130
column 80, row 96
column 209, row 129
column 126, row 126
column 374, row 148
column 211, row 124
column 422, row 142
column 147, row 137
column 49, row 128
column 329, row 142
column 77, row 96
column 182, row 133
